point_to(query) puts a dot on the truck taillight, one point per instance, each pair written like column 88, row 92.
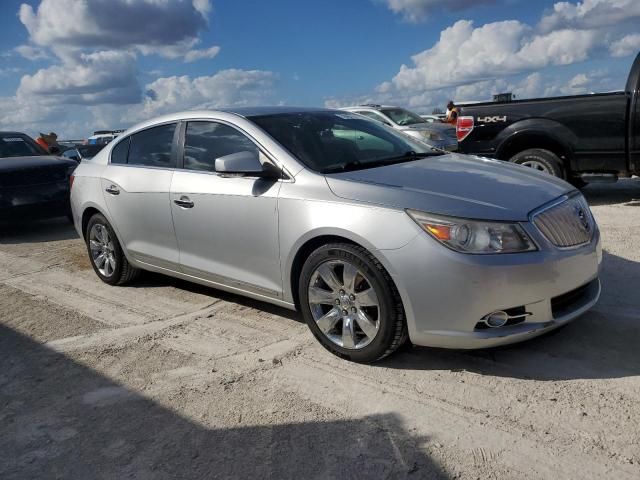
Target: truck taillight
column 464, row 127
column 71, row 178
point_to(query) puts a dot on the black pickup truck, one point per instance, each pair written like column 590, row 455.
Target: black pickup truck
column 582, row 138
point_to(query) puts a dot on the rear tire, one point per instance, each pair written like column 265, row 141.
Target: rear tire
column 105, row 253
column 357, row 313
column 541, row 160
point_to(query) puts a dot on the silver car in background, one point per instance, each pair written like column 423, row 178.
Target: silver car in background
column 373, row 237
column 436, row 134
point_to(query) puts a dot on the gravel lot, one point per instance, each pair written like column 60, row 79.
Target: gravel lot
column 170, row 380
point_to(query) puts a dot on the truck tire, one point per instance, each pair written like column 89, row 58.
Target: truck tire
column 541, row 160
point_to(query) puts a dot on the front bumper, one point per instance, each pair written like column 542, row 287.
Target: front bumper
column 446, row 294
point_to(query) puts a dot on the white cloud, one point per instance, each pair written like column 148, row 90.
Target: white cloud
column 4, row 72
column 418, row 10
column 231, row 87
column 470, row 61
column 465, row 53
column 115, row 24
column 100, row 77
column 627, row 45
column 31, row 53
column 200, row 54
column 590, row 14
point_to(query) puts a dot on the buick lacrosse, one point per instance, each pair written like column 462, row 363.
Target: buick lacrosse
column 374, row 237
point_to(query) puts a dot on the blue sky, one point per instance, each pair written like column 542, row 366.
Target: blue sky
column 73, row 66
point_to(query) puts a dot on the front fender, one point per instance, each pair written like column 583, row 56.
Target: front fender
column 374, row 228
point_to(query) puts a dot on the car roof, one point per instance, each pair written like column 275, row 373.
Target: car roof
column 370, row 107
column 271, row 110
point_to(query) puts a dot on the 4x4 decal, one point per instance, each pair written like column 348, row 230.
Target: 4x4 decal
column 494, row 119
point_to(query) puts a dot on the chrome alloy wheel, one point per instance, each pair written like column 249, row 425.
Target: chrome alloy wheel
column 541, row 167
column 102, row 250
column 344, row 304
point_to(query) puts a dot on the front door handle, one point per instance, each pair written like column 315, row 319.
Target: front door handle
column 184, row 202
column 113, row 190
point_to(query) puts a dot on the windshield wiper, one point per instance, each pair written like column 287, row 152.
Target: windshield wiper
column 358, row 165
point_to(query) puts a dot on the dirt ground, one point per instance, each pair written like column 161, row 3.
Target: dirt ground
column 166, row 379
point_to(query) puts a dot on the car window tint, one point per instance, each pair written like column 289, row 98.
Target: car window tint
column 373, row 116
column 120, row 152
column 343, row 138
column 18, row 146
column 206, row 141
column 152, row 147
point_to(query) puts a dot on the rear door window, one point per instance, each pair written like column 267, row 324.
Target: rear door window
column 152, row 147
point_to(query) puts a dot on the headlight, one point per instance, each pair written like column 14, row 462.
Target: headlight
column 474, row 236
column 432, row 135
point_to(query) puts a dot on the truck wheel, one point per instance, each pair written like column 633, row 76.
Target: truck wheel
column 541, row 160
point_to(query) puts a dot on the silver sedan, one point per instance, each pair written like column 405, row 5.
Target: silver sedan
column 374, row 237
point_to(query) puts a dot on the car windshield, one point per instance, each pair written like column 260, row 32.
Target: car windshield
column 16, row 145
column 402, row 117
column 89, row 151
column 330, row 142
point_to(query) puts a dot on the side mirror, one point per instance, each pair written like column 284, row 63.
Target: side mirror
column 245, row 163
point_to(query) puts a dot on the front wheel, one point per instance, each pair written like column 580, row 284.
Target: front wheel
column 105, row 253
column 350, row 303
column 540, row 160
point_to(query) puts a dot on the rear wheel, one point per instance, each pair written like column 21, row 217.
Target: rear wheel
column 351, row 304
column 105, row 253
column 541, row 160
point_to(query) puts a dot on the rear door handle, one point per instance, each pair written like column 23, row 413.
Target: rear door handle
column 113, row 190
column 184, row 202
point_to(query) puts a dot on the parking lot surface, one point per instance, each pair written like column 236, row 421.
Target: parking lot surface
column 165, row 379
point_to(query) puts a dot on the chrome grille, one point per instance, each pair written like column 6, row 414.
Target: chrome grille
column 567, row 224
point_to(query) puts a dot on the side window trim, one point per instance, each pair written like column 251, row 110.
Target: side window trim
column 181, row 132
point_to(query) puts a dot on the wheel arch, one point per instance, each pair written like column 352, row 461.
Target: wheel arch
column 537, row 133
column 311, row 242
column 91, row 209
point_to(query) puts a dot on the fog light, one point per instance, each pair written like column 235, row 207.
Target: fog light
column 496, row 319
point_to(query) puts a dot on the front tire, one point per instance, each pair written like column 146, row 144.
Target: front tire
column 105, row 253
column 351, row 304
column 541, row 160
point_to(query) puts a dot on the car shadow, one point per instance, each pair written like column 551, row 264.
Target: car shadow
column 62, row 419
column 603, row 343
column 624, row 191
column 154, row 280
column 37, row 231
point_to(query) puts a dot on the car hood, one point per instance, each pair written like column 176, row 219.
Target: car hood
column 455, row 185
column 19, row 163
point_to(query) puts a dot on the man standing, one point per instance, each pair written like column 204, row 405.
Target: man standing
column 452, row 114
column 49, row 142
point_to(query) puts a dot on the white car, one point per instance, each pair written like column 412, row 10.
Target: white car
column 435, row 134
